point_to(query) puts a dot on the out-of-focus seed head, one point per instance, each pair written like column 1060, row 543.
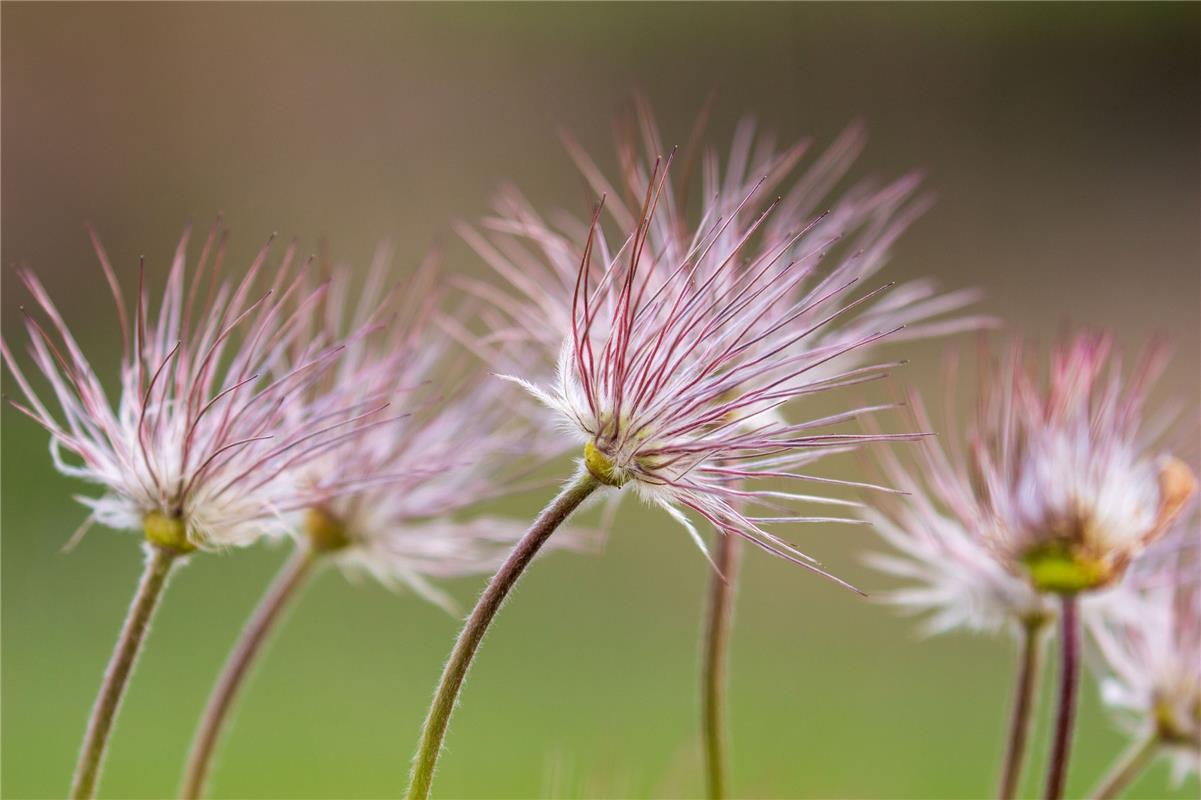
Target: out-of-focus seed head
column 1049, row 488
column 1148, row 645
column 460, row 438
column 939, row 533
column 1072, row 485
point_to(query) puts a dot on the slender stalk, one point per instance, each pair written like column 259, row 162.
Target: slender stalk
column 434, row 729
column 719, row 620
column 262, row 621
column 159, row 561
column 1141, row 753
column 1069, row 678
column 1029, row 666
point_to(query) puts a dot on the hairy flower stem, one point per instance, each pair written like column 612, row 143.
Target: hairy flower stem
column 1069, row 679
column 434, row 729
column 159, row 560
column 1140, row 754
column 718, row 622
column 291, row 576
column 1029, row 666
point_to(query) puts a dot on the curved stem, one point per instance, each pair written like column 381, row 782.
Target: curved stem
column 1029, row 664
column 1069, row 678
column 477, row 623
column 718, row 622
column 159, row 561
column 268, row 612
column 1127, row 768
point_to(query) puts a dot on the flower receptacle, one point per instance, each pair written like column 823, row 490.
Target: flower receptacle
column 167, row 531
column 601, row 467
column 325, row 531
column 1056, row 567
column 1172, row 730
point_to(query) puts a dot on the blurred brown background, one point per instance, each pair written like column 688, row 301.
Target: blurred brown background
column 1062, row 142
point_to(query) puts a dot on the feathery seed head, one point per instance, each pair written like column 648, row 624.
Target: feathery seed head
column 680, row 343
column 1055, row 490
column 200, row 450
column 942, row 552
column 1075, row 490
column 460, row 437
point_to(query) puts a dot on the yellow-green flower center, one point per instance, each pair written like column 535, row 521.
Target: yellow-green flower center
column 1173, row 730
column 165, row 531
column 1057, row 567
column 602, row 467
column 325, row 531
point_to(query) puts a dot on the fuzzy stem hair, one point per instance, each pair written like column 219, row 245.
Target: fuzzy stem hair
column 434, row 730
column 159, row 562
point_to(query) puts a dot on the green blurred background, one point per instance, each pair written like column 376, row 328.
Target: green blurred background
column 1062, row 142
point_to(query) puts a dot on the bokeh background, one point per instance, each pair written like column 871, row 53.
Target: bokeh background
column 1062, row 141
